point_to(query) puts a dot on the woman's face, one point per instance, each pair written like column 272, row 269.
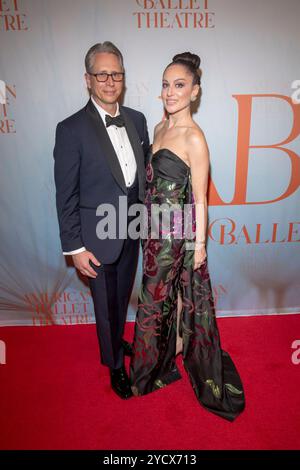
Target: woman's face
column 177, row 88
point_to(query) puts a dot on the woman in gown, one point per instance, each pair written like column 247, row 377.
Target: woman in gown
column 176, row 298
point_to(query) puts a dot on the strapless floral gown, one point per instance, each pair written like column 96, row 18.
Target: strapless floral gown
column 167, row 270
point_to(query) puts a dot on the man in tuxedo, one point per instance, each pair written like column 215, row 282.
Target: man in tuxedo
column 99, row 156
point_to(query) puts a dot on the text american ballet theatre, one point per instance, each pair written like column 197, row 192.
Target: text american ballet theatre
column 173, row 14
column 12, row 16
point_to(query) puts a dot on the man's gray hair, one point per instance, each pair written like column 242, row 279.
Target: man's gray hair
column 106, row 46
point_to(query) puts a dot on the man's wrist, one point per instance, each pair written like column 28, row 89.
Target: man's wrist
column 74, row 252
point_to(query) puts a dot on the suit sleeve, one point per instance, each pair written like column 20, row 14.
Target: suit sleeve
column 67, row 180
column 146, row 143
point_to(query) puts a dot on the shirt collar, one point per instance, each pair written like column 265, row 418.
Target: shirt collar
column 102, row 112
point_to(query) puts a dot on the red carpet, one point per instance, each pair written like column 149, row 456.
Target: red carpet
column 55, row 395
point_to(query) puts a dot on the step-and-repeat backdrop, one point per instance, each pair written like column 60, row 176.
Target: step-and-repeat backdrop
column 250, row 113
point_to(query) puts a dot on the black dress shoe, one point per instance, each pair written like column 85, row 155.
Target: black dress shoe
column 120, row 383
column 127, row 348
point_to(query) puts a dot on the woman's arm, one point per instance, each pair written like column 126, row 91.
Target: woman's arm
column 198, row 155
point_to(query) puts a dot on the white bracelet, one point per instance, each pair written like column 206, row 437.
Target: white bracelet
column 199, row 244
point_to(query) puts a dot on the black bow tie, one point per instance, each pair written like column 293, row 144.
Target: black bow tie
column 114, row 121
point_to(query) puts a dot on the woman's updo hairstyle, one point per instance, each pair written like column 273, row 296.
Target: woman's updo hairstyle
column 191, row 62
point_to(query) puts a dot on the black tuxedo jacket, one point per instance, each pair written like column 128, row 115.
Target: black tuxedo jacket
column 87, row 173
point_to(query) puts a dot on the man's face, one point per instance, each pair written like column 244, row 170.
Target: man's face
column 105, row 93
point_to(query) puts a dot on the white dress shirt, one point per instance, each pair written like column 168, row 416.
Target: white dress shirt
column 123, row 149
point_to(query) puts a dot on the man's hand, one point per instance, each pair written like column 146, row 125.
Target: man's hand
column 82, row 263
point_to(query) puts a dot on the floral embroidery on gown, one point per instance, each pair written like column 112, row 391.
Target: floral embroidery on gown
column 167, row 270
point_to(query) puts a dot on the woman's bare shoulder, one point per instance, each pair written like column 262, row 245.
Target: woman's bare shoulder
column 195, row 136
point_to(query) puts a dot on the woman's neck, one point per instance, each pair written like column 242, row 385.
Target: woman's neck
column 182, row 118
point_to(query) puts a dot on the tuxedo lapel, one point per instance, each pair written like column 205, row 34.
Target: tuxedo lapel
column 136, row 146
column 106, row 145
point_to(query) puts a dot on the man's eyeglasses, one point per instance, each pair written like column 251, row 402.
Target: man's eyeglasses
column 103, row 76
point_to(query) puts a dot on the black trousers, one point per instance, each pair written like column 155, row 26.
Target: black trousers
column 111, row 291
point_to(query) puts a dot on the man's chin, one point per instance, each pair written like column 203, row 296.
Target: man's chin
column 113, row 100
column 110, row 98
